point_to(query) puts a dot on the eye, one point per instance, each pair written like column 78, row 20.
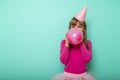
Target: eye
column 79, row 26
column 73, row 26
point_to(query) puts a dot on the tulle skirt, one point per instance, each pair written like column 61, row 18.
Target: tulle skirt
column 71, row 76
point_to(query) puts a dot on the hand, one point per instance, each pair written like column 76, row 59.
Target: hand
column 66, row 40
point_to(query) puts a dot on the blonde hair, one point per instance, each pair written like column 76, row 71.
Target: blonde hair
column 73, row 22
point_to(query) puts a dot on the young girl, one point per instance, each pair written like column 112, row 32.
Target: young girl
column 75, row 57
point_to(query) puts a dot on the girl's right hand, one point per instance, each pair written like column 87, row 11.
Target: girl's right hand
column 66, row 40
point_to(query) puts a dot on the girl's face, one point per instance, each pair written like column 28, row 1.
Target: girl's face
column 77, row 26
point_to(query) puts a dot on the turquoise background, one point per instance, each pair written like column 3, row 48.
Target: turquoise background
column 31, row 31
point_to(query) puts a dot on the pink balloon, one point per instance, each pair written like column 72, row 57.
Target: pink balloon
column 74, row 36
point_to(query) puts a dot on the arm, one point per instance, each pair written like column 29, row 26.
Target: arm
column 87, row 54
column 64, row 52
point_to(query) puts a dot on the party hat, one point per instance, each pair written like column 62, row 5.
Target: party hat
column 82, row 14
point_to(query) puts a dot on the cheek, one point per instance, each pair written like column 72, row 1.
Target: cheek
column 81, row 29
column 70, row 28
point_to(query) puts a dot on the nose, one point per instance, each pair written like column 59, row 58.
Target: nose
column 76, row 27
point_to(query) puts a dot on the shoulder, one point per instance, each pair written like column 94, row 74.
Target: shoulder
column 89, row 42
column 63, row 41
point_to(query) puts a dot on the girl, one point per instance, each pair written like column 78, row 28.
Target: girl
column 75, row 57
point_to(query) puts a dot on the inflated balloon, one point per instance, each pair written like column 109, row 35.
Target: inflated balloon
column 74, row 36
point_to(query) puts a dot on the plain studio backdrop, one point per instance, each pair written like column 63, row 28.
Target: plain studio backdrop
column 31, row 32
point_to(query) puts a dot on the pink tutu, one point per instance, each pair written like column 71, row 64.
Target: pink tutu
column 71, row 76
